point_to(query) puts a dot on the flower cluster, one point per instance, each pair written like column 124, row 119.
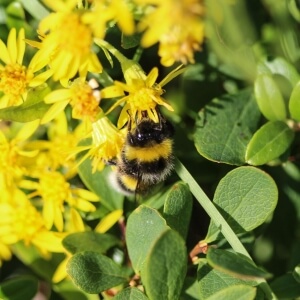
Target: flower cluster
column 39, row 152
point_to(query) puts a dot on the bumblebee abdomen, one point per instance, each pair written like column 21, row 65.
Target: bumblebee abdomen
column 150, row 153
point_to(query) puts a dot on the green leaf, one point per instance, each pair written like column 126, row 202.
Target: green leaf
column 286, row 287
column 246, row 197
column 94, row 272
column 269, row 142
column 210, row 280
column 165, row 267
column 178, row 208
column 21, row 288
column 130, row 293
column 235, row 264
column 32, row 109
column 241, row 292
column 279, row 66
column 144, row 227
column 294, row 103
column 99, row 183
column 15, row 16
column 269, row 98
column 89, row 241
column 225, row 127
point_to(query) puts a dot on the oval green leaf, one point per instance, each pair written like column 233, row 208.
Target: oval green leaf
column 269, row 98
column 94, row 273
column 225, row 127
column 246, row 197
column 294, row 103
column 165, row 267
column 269, row 142
column 144, row 226
column 279, row 66
column 131, row 293
column 235, row 264
column 211, row 281
column 178, row 208
column 23, row 287
column 89, row 241
column 241, row 292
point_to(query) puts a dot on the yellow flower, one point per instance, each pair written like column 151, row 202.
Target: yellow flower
column 15, row 77
column 55, row 191
column 22, row 222
column 14, row 155
column 107, row 142
column 142, row 93
column 80, row 95
column 66, row 42
column 179, row 33
column 54, row 153
column 104, row 11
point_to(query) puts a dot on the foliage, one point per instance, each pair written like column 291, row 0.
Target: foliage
column 225, row 224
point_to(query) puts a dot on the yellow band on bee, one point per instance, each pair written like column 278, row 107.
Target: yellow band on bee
column 149, row 154
column 129, row 182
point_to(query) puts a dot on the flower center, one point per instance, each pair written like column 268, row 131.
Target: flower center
column 75, row 36
column 13, row 81
column 145, row 98
column 27, row 222
column 54, row 188
column 84, row 101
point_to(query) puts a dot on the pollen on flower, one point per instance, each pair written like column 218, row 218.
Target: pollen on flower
column 14, row 80
column 84, row 101
column 144, row 98
column 75, row 36
column 53, row 187
column 23, row 220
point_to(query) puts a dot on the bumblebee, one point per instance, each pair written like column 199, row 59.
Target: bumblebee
column 147, row 155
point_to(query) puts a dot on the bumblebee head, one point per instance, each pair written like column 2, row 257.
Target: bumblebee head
column 148, row 132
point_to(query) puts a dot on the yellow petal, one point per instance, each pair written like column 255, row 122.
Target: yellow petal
column 112, row 91
column 60, row 272
column 39, row 61
column 4, row 56
column 41, row 78
column 50, row 241
column 179, row 70
column 27, row 130
column 84, row 205
column 57, row 96
column 5, row 252
column 21, row 46
column 152, row 76
column 12, row 45
column 109, row 220
column 48, row 214
column 76, row 222
column 58, row 219
column 28, row 184
column 85, row 194
column 54, row 110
